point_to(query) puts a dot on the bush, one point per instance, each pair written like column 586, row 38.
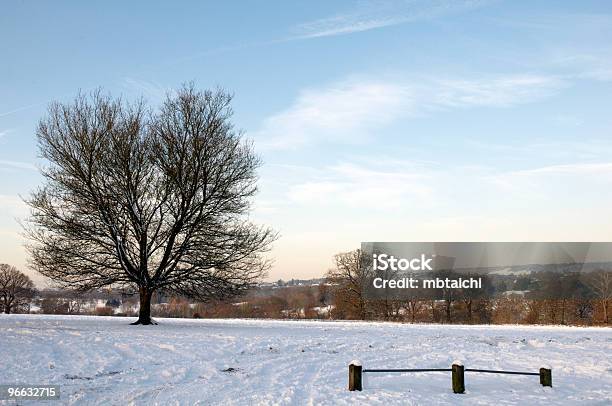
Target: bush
column 104, row 311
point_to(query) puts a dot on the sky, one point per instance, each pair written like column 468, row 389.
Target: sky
column 376, row 120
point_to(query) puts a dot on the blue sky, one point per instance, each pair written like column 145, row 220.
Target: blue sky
column 377, row 121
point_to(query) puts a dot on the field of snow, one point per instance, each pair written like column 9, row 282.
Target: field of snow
column 103, row 360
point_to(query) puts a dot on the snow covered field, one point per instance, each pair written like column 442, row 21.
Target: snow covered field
column 103, row 360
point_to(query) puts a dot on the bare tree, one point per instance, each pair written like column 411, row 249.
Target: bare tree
column 349, row 277
column 472, row 296
column 601, row 283
column 147, row 200
column 16, row 289
column 414, row 304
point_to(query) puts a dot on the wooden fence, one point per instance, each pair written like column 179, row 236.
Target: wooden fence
column 457, row 374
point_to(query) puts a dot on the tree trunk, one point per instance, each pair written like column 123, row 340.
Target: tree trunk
column 386, row 309
column 469, row 309
column 563, row 311
column 9, row 304
column 433, row 311
column 144, row 314
column 362, row 312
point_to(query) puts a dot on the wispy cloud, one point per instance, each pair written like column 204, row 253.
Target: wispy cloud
column 359, row 185
column 146, row 88
column 344, row 111
column 495, row 91
column 580, row 169
column 17, row 165
column 586, row 150
column 20, row 108
column 403, row 186
column 595, row 65
column 370, row 15
column 42, row 103
column 355, row 109
column 555, row 180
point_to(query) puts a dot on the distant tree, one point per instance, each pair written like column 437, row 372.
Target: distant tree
column 104, row 311
column 483, row 311
column 509, row 309
column 54, row 305
column 472, row 296
column 449, row 295
column 559, row 289
column 16, row 289
column 153, row 201
column 583, row 310
column 274, row 307
column 300, row 299
column 74, row 301
column 113, row 302
column 348, row 277
column 522, row 282
column 414, row 304
column 324, row 294
column 601, row 284
column 534, row 311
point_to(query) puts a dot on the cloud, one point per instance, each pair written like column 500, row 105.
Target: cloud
column 20, row 108
column 345, row 111
column 496, row 91
column 601, row 170
column 587, row 64
column 149, row 89
column 355, row 109
column 371, row 15
column 362, row 186
column 573, row 169
column 377, row 184
column 572, row 180
column 17, row 165
column 547, row 149
column 575, row 45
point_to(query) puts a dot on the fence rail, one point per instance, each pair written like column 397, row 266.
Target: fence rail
column 490, row 371
column 409, row 370
column 457, row 374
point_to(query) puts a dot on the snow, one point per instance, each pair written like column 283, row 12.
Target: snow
column 515, row 292
column 103, row 360
column 511, row 271
column 323, row 310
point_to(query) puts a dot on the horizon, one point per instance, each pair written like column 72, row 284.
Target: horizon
column 392, row 121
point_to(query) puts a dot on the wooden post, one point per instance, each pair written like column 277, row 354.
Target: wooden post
column 457, row 378
column 355, row 376
column 546, row 377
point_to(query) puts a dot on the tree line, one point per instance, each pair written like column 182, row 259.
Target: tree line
column 571, row 298
column 337, row 297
